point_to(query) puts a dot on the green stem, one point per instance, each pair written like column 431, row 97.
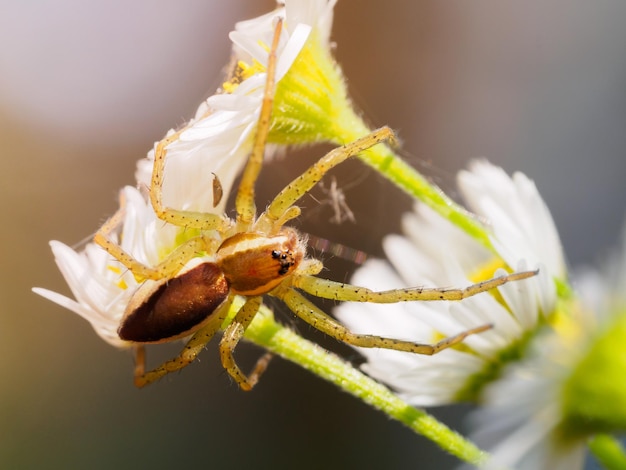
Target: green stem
column 265, row 332
column 608, row 451
column 407, row 178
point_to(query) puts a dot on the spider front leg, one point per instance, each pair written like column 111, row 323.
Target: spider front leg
column 189, row 353
column 315, row 317
column 283, row 202
column 180, row 218
column 232, row 335
column 244, row 202
column 245, row 205
column 327, row 289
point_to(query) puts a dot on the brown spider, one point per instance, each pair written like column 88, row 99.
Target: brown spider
column 252, row 256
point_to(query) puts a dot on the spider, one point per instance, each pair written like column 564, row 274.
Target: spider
column 253, row 256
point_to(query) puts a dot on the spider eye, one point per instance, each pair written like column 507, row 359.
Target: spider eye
column 167, row 310
column 286, row 262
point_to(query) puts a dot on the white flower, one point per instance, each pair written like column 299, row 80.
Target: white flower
column 218, row 140
column 542, row 411
column 518, row 423
column 521, row 222
column 548, row 376
column 435, row 253
column 604, row 291
column 100, row 284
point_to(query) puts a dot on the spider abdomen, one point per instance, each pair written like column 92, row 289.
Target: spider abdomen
column 166, row 310
column 254, row 263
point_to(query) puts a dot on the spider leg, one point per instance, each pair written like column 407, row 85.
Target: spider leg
column 189, row 353
column 315, row 317
column 328, row 289
column 181, row 218
column 305, row 182
column 232, row 335
column 244, row 202
column 170, row 265
column 140, row 360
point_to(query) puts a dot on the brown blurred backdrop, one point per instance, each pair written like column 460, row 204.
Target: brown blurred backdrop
column 87, row 87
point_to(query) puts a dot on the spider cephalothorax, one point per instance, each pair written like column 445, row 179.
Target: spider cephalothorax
column 254, row 263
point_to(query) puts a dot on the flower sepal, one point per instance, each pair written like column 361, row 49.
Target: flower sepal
column 594, row 396
column 311, row 101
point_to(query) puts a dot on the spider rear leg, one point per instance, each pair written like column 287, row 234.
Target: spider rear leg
column 169, row 266
column 315, row 317
column 232, row 335
column 328, row 289
column 189, row 353
column 102, row 238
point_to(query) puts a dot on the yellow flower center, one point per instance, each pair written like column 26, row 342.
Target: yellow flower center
column 242, row 72
column 121, row 283
column 486, row 270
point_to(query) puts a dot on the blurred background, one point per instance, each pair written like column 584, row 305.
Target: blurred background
column 86, row 88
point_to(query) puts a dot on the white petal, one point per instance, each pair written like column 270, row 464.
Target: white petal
column 292, row 49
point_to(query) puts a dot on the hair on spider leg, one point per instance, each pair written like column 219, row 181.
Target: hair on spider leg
column 80, row 244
